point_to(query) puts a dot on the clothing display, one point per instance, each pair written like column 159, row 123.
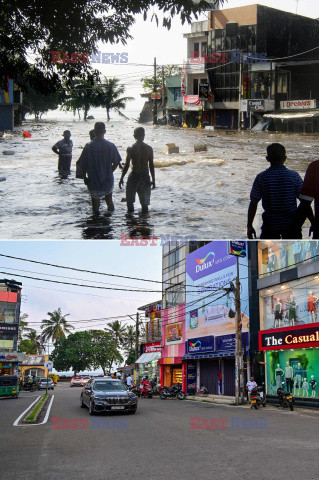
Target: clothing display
column 297, row 252
column 311, row 303
column 283, row 258
column 292, row 306
column 271, row 261
column 279, row 374
column 305, row 388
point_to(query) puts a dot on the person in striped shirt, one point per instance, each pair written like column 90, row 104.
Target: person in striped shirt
column 278, row 188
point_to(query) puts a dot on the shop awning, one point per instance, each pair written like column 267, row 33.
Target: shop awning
column 169, row 360
column 291, row 115
column 220, row 354
column 148, row 357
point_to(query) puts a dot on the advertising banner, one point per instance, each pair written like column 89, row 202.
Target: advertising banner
column 203, row 90
column 227, row 342
column 9, row 328
column 200, row 345
column 191, row 376
column 174, row 333
column 152, row 347
column 302, row 336
column 208, row 270
column 297, row 104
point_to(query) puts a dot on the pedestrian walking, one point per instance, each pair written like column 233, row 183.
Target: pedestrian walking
column 139, row 182
column 63, row 148
column 278, row 188
column 129, row 380
column 99, row 159
column 309, row 193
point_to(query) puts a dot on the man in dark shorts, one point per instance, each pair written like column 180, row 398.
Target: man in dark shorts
column 138, row 181
column 64, row 149
column 278, row 188
column 98, row 160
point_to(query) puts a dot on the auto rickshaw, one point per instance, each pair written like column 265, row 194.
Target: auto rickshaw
column 9, row 386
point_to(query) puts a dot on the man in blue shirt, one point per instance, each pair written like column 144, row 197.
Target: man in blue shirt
column 278, row 188
column 99, row 159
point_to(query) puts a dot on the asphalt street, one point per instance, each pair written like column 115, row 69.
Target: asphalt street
column 158, row 442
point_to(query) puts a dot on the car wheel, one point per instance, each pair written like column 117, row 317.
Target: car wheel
column 81, row 402
column 91, row 408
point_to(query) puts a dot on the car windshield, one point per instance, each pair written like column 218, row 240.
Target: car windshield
column 109, row 386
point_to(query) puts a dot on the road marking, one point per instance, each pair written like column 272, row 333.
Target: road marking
column 35, row 424
column 19, row 418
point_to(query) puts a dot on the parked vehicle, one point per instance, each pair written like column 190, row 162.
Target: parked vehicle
column 106, row 395
column 202, row 391
column 257, row 398
column 77, row 381
column 85, row 379
column 286, row 400
column 146, row 391
column 9, row 386
column 44, row 382
column 29, row 385
column 175, row 391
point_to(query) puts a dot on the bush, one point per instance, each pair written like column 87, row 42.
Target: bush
column 54, row 377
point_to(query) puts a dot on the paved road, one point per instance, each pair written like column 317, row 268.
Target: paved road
column 158, row 443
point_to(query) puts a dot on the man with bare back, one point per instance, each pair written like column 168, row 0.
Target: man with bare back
column 139, row 181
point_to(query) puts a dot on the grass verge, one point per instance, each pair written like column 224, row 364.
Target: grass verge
column 30, row 418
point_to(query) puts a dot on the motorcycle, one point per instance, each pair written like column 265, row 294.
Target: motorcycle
column 146, row 391
column 173, row 392
column 257, row 397
column 29, row 387
column 286, row 400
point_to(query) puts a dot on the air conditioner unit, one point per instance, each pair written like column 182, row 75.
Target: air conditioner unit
column 216, row 314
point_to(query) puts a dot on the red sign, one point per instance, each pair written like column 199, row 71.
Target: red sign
column 152, row 347
column 11, row 297
column 301, row 336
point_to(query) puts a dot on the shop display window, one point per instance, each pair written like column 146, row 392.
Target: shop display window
column 7, row 312
column 6, row 342
column 274, row 257
column 297, row 371
column 290, row 304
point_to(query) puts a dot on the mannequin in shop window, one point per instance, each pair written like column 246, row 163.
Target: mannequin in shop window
column 306, row 254
column 271, row 261
column 292, row 308
column 279, row 374
column 298, row 374
column 278, row 313
column 305, row 388
column 289, row 377
column 283, row 258
column 311, row 307
column 313, row 385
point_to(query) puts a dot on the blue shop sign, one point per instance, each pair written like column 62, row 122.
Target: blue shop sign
column 227, row 342
column 200, row 345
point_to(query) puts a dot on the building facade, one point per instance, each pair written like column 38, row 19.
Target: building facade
column 150, row 341
column 10, row 302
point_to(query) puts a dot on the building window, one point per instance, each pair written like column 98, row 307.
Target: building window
column 175, row 295
column 7, row 312
column 195, row 86
column 173, row 260
column 196, row 50
column 177, row 94
column 204, row 49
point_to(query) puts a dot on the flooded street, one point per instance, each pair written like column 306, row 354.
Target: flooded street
column 203, row 195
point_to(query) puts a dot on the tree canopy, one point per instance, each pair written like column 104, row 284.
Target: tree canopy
column 31, row 30
column 148, row 82
column 56, row 326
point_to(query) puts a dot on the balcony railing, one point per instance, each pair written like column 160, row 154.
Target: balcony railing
column 198, row 27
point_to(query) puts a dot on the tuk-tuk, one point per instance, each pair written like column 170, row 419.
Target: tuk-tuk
column 9, row 386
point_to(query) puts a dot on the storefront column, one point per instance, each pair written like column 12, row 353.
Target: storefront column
column 198, row 374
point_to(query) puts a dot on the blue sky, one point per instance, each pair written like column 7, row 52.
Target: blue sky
column 82, row 303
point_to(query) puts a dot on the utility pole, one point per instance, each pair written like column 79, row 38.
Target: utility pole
column 164, row 95
column 239, row 92
column 137, row 334
column 155, row 102
column 239, row 364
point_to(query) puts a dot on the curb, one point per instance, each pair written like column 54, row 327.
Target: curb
column 34, row 421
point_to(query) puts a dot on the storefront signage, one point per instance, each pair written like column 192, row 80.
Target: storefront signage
column 10, row 297
column 191, row 375
column 200, row 345
column 237, row 248
column 209, row 259
column 256, row 105
column 9, row 328
column 297, row 104
column 173, row 333
column 152, row 347
column 290, row 337
column 227, row 342
column 203, row 90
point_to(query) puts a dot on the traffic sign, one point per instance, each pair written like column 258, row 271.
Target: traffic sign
column 48, row 364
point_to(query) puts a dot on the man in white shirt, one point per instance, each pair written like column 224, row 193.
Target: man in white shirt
column 129, row 380
column 250, row 385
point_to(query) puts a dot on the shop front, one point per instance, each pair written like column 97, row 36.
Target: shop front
column 292, row 361
column 9, row 362
column 147, row 362
column 210, row 324
column 172, row 370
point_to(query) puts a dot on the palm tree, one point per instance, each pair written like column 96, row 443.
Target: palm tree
column 117, row 331
column 129, row 342
column 108, row 96
column 56, row 326
column 23, row 326
column 36, row 343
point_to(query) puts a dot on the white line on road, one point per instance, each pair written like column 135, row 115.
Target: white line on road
column 19, row 418
column 35, row 424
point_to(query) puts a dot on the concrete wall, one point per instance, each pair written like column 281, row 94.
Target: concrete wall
column 6, row 117
column 241, row 15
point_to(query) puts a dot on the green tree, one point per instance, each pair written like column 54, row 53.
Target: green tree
column 108, row 95
column 81, row 96
column 131, row 358
column 38, row 103
column 56, row 326
column 74, row 352
column 169, row 70
column 32, row 343
column 117, row 331
column 104, row 350
column 23, row 326
column 129, row 338
column 38, row 28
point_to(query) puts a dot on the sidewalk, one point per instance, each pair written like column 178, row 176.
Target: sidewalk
column 220, row 399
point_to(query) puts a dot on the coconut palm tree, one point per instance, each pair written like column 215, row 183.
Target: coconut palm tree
column 108, row 95
column 118, row 333
column 56, row 326
column 23, row 326
column 32, row 343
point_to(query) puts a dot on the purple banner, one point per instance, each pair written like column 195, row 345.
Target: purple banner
column 227, row 342
column 209, row 259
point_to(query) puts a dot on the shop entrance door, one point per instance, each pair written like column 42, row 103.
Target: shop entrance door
column 229, row 376
column 209, row 375
column 167, row 376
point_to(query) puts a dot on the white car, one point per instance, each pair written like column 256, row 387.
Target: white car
column 77, row 381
